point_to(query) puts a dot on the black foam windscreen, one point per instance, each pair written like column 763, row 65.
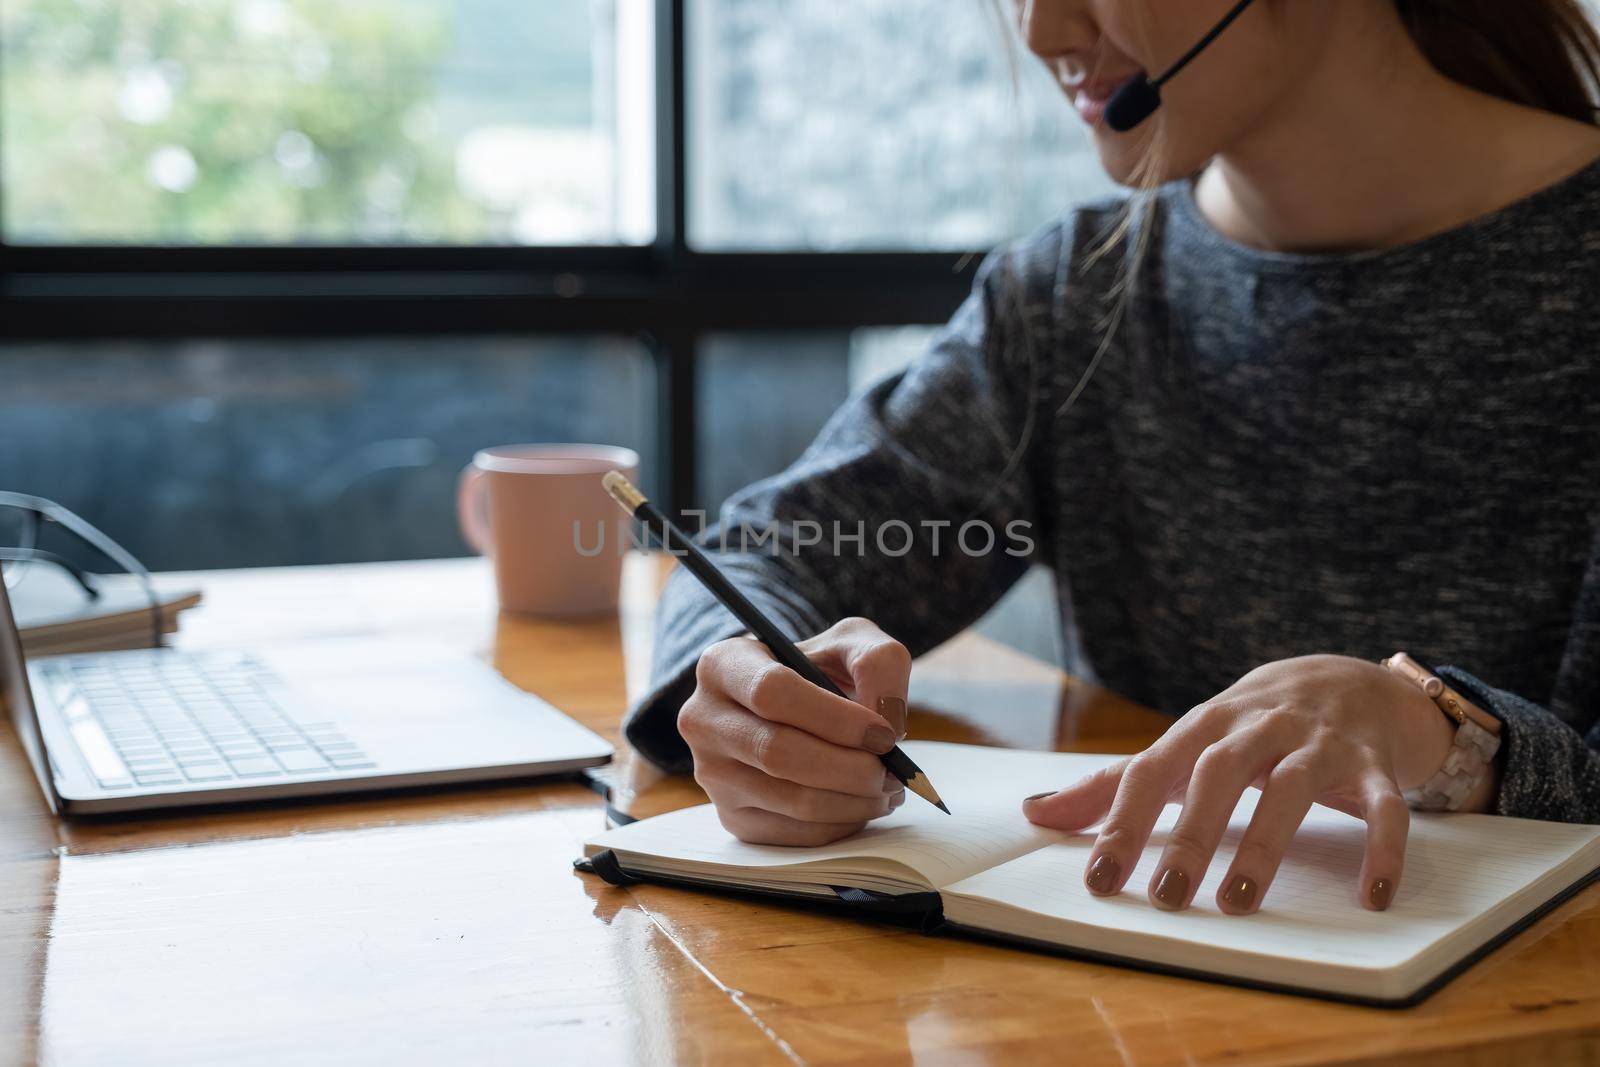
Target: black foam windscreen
column 1130, row 105
column 1140, row 96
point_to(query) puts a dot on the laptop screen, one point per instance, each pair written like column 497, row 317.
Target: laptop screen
column 19, row 699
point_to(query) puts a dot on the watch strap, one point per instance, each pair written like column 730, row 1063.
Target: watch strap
column 1465, row 766
column 1472, row 751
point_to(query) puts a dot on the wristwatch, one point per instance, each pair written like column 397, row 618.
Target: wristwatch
column 1476, row 742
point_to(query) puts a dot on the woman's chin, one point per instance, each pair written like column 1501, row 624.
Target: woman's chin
column 1127, row 159
column 1120, row 157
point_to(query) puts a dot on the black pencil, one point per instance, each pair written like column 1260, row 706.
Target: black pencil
column 783, row 650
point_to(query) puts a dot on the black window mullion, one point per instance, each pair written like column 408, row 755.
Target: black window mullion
column 675, row 346
column 671, row 127
column 677, row 425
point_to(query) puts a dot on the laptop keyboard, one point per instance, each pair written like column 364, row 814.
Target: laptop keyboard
column 164, row 718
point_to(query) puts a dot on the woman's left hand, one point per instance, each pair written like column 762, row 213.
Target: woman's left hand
column 1333, row 730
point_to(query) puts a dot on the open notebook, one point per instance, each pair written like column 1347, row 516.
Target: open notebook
column 1470, row 881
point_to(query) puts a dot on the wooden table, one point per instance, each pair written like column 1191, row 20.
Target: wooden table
column 449, row 927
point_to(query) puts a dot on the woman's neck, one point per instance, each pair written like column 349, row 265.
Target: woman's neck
column 1375, row 148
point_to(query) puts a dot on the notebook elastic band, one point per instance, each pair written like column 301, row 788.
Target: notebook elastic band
column 606, row 866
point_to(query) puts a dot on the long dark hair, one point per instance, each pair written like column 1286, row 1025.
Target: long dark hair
column 1542, row 53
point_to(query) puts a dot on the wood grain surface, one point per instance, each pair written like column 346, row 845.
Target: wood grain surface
column 449, row 927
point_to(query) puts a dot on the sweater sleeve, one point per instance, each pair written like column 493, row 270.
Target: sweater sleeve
column 916, row 506
column 1551, row 752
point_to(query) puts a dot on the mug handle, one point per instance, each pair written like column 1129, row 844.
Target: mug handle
column 472, row 509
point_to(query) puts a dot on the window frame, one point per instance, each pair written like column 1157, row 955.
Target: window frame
column 665, row 293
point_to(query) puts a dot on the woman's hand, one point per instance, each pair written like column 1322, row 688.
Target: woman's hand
column 787, row 763
column 1327, row 729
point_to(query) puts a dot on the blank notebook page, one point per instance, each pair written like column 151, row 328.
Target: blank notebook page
column 1457, row 868
column 983, row 787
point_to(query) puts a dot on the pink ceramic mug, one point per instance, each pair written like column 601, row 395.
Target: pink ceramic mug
column 539, row 512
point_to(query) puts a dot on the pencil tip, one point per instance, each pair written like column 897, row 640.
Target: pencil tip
column 918, row 783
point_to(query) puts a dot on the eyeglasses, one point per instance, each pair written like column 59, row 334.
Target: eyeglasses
column 24, row 518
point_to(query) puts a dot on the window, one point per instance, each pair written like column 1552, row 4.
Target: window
column 218, row 453
column 327, row 121
column 813, row 371
column 249, row 248
column 874, row 124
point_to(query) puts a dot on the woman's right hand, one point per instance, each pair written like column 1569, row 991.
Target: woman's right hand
column 786, row 762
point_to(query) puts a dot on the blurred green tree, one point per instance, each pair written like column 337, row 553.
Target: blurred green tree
column 208, row 121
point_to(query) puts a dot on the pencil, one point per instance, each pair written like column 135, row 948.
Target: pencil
column 783, row 650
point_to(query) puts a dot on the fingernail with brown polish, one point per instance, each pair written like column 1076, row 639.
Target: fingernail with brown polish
column 879, row 739
column 1102, row 876
column 893, row 709
column 1382, row 889
column 1041, row 796
column 1240, row 894
column 1172, row 889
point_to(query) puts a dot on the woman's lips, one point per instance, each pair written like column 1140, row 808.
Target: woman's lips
column 1091, row 97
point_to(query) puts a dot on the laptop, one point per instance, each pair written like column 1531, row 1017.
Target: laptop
column 160, row 727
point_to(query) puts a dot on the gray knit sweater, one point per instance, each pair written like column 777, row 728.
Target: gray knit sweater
column 1277, row 455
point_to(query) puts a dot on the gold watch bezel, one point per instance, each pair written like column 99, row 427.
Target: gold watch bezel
column 1455, row 707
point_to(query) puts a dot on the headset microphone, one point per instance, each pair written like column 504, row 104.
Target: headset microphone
column 1138, row 99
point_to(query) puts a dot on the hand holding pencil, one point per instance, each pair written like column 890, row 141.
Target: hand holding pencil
column 794, row 743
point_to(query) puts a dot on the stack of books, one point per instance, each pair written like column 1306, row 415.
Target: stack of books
column 55, row 616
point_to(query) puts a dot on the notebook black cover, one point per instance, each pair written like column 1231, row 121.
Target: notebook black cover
column 925, row 911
